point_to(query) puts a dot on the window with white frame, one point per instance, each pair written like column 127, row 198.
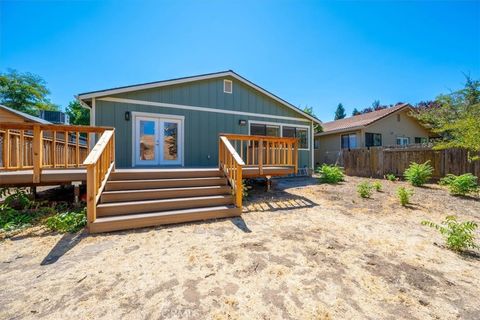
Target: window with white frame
column 403, row 141
column 227, row 86
column 281, row 130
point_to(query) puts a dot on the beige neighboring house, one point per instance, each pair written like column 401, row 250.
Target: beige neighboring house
column 11, row 115
column 386, row 127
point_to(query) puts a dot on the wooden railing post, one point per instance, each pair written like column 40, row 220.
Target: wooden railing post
column 37, row 153
column 6, row 148
column 295, row 154
column 239, row 187
column 91, row 194
column 260, row 156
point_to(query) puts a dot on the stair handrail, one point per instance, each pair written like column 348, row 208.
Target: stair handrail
column 100, row 162
column 231, row 164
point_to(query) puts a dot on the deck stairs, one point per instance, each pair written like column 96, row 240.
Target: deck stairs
column 136, row 199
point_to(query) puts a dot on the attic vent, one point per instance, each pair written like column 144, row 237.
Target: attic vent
column 227, row 86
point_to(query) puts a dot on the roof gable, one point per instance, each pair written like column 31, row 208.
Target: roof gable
column 24, row 115
column 360, row 121
column 229, row 73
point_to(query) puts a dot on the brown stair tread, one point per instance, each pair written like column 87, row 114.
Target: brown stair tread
column 219, row 187
column 142, row 220
column 142, row 202
column 165, row 179
column 161, row 213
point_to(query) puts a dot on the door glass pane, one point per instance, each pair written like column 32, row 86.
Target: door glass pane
column 170, row 141
column 147, row 140
column 302, row 138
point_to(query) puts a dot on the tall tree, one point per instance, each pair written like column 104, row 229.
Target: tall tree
column 78, row 115
column 25, row 92
column 316, row 127
column 455, row 118
column 376, row 105
column 355, row 112
column 340, row 112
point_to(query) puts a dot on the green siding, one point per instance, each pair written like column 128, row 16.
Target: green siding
column 201, row 128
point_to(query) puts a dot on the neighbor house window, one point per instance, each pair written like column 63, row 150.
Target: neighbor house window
column 403, row 141
column 398, row 117
column 317, row 144
column 373, row 139
column 227, row 86
column 349, row 141
column 421, row 140
column 300, row 133
column 259, row 129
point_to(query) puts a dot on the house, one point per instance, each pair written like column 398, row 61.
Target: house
column 14, row 116
column 177, row 122
column 386, row 127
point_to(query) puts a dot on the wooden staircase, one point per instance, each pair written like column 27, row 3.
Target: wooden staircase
column 136, row 199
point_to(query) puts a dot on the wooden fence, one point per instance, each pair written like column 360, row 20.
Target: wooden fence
column 377, row 162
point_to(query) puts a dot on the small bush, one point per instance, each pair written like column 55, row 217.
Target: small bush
column 404, row 195
column 377, row 186
column 418, row 174
column 460, row 185
column 458, row 235
column 330, row 174
column 391, row 177
column 364, row 189
column 67, row 221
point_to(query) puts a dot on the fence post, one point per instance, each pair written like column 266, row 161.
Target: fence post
column 260, row 156
column 37, row 153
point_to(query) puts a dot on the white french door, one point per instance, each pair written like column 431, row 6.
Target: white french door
column 158, row 140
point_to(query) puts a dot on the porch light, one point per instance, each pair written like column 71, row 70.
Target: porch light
column 127, row 116
column 242, row 122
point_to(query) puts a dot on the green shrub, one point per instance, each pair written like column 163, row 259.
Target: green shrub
column 67, row 221
column 330, row 173
column 460, row 185
column 458, row 235
column 404, row 195
column 418, row 174
column 377, row 186
column 364, row 189
column 391, row 177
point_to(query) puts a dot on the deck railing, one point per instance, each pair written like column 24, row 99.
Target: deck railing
column 43, row 146
column 260, row 151
column 231, row 164
column 100, row 163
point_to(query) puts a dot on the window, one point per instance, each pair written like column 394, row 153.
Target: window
column 421, row 140
column 227, row 86
column 373, row 139
column 398, row 117
column 300, row 133
column 403, row 141
column 281, row 130
column 259, row 129
column 317, row 144
column 349, row 141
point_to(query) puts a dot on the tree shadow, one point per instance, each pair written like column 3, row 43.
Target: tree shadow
column 65, row 244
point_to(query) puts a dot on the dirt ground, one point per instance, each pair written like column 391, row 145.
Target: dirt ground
column 303, row 251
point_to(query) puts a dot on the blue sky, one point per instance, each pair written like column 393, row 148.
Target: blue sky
column 310, row 53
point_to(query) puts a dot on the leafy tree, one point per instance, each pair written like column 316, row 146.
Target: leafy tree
column 454, row 117
column 376, row 104
column 78, row 115
column 340, row 112
column 316, row 127
column 355, row 112
column 25, row 92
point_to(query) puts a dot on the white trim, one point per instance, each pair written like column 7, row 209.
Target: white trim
column 225, row 81
column 186, row 107
column 191, row 79
column 161, row 116
column 281, row 125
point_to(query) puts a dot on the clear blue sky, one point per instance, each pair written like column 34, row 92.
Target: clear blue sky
column 307, row 52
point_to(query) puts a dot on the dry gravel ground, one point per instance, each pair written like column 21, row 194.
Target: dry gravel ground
column 304, row 251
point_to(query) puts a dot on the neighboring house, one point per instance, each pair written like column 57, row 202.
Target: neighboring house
column 11, row 115
column 178, row 122
column 386, row 127
column 57, row 117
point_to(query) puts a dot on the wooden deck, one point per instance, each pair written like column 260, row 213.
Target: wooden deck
column 68, row 176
